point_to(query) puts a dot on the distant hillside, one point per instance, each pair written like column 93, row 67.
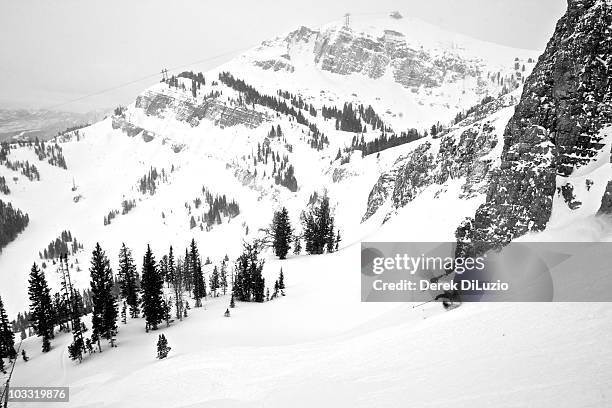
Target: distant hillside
column 24, row 124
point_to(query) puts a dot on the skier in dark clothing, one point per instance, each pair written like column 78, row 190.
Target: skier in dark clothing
column 450, row 299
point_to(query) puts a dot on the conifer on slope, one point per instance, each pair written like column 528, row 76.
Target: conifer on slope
column 152, row 291
column 7, row 338
column 41, row 307
column 282, row 233
column 105, row 310
column 128, row 280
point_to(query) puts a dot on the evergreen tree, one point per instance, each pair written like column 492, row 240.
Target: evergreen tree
column 282, row 233
column 214, row 281
column 199, row 285
column 7, row 338
column 128, row 280
column 124, row 313
column 232, row 302
column 175, row 273
column 152, row 291
column 162, row 267
column 167, row 309
column 223, row 277
column 74, row 306
column 41, row 307
column 162, row 347
column 318, row 225
column 275, row 294
column 297, row 246
column 331, row 237
column 62, row 312
column 75, row 351
column 170, row 267
column 105, row 311
column 187, row 272
column 281, row 282
column 338, row 239
column 249, row 285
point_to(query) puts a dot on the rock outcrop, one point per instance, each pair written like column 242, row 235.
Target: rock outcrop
column 555, row 129
column 160, row 104
column 606, row 201
column 463, row 153
column 343, row 51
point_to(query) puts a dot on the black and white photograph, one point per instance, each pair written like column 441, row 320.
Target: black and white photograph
column 306, row 204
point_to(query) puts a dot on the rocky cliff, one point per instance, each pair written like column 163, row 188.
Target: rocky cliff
column 344, row 51
column 555, row 130
column 156, row 103
column 464, row 152
column 347, row 52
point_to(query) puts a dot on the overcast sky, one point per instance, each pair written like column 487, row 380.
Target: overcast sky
column 53, row 51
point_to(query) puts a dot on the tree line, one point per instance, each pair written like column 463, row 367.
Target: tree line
column 161, row 286
column 318, row 231
column 52, row 152
column 64, row 244
column 12, row 222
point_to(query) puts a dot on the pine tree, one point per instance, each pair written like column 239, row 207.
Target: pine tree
column 62, row 313
column 249, row 285
column 331, row 237
column 75, row 351
column 275, row 294
column 282, row 233
column 152, row 291
column 223, row 277
column 162, row 267
column 199, row 285
column 170, row 265
column 7, row 338
column 281, row 282
column 232, row 302
column 162, row 347
column 167, row 309
column 41, row 307
column 187, row 272
column 318, row 225
column 214, row 281
column 297, row 246
column 73, row 301
column 124, row 313
column 128, row 280
column 176, row 278
column 104, row 314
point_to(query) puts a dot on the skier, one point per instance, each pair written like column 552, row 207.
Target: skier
column 24, row 356
column 450, row 299
column 227, row 313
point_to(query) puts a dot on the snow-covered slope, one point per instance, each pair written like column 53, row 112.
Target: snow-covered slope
column 210, row 140
column 319, row 345
column 412, row 72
